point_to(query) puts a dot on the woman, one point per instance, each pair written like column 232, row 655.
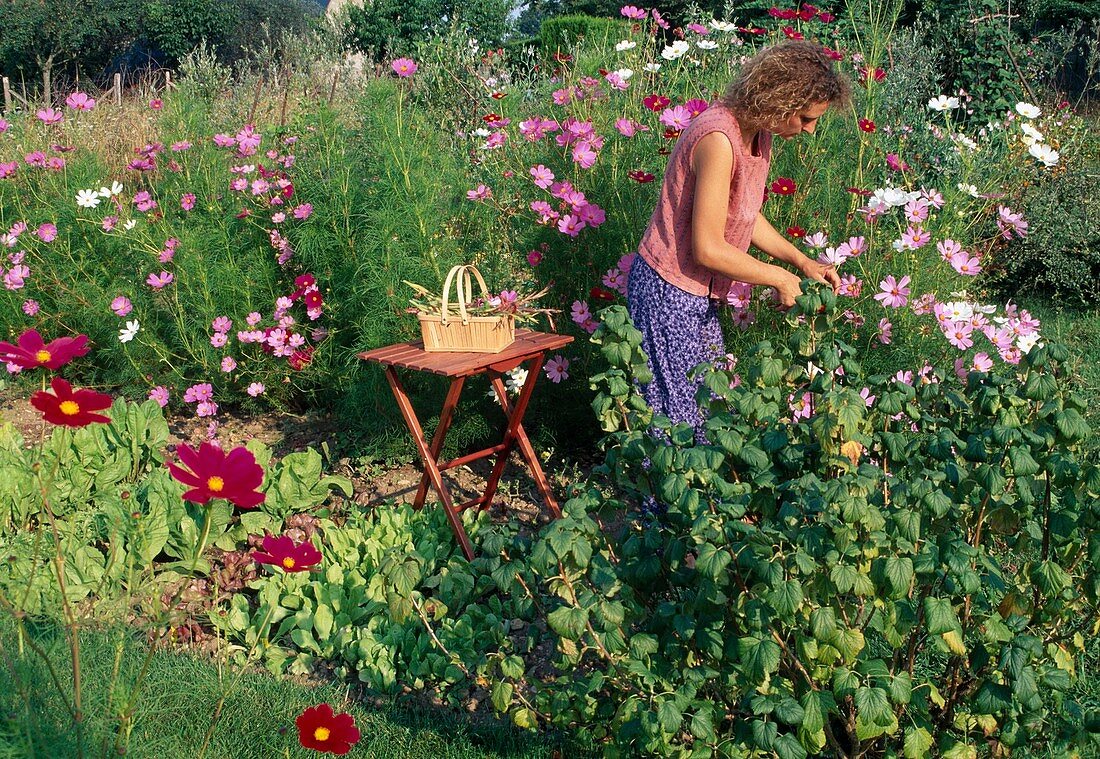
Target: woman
column 708, row 213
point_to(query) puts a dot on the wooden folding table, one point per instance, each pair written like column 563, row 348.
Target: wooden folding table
column 530, row 347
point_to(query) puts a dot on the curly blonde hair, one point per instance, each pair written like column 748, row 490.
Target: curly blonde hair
column 783, row 79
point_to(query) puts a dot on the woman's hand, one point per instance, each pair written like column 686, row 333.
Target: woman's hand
column 787, row 288
column 819, row 272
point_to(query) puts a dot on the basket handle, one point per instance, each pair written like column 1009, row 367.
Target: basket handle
column 460, row 275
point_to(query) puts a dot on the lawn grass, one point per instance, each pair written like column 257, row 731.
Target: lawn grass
column 178, row 700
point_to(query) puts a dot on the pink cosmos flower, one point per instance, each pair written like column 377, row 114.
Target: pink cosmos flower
column 546, row 213
column 157, row 281
column 1011, row 223
column 15, row 277
column 739, row 295
column 583, row 154
column 160, row 395
column 36, row 159
column 982, row 362
column 46, row 232
column 633, row 12
column 613, row 279
column 895, row 163
column 676, row 117
column 743, row 318
column 8, row 169
column 222, row 324
column 404, row 67
column 49, row 116
column 534, row 257
column 949, row 249
column 803, row 408
column 156, row 104
column 30, row 307
column 865, row 394
column 182, row 145
column 557, row 369
column 904, row 377
column 496, row 140
column 480, row 193
column 255, row 388
column 187, row 201
column 219, row 339
column 885, row 331
column 253, row 319
column 3, row 126
column 658, row 19
column 144, row 201
column 278, row 217
column 79, row 101
column 542, row 176
column 121, row 305
column 303, row 211
column 816, row 240
column 228, row 364
column 580, row 312
column 916, row 210
column 959, row 334
column 206, row 408
column 55, row 163
column 966, row 264
column 570, row 225
column 915, row 238
column 626, row 127
column 202, row 391
column 894, row 293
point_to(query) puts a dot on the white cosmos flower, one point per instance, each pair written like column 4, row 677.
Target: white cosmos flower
column 87, row 198
column 676, row 50
column 481, row 132
column 969, row 189
column 1028, row 111
column 1044, row 153
column 626, row 45
column 130, row 332
column 722, row 26
column 891, row 197
column 652, row 68
column 624, row 74
column 706, row 44
column 110, row 192
column 958, row 311
column 831, row 257
column 965, row 141
column 1031, row 134
column 1026, row 342
column 943, row 103
column 130, row 224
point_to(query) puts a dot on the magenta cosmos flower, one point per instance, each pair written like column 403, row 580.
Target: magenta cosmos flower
column 31, row 351
column 404, row 67
column 283, row 553
column 80, row 101
column 211, row 473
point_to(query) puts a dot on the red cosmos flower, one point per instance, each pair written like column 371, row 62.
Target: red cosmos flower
column 499, row 95
column 867, row 125
column 861, row 193
column 31, row 352
column 663, row 151
column 600, row 294
column 211, row 473
column 796, row 232
column 69, row 408
column 641, row 176
column 826, row 17
column 281, row 552
column 787, row 14
column 792, row 34
column 300, row 359
column 656, row 103
column 807, row 13
column 784, row 186
column 313, row 299
column 491, row 118
column 321, row 730
column 695, row 106
column 836, row 55
column 562, row 57
column 672, row 134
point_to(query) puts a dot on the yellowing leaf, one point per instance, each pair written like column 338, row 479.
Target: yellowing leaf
column 954, row 641
column 852, row 450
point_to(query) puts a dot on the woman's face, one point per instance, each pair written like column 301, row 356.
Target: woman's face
column 804, row 120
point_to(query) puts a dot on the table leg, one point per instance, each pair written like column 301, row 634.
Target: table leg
column 528, row 452
column 515, row 418
column 430, row 466
column 445, row 418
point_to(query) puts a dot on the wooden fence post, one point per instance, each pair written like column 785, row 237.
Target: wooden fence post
column 7, row 95
column 118, row 89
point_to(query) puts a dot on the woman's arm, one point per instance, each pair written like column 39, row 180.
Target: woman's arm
column 712, row 162
column 766, row 238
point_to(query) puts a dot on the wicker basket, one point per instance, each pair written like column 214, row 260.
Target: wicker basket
column 444, row 333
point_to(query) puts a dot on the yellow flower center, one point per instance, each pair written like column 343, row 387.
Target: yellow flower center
column 215, row 484
column 69, row 408
column 43, row 356
column 288, row 563
column 321, row 733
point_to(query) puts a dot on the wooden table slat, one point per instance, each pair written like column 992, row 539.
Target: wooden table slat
column 412, row 355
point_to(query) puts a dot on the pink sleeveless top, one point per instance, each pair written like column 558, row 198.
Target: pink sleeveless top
column 666, row 244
